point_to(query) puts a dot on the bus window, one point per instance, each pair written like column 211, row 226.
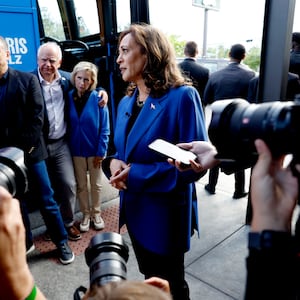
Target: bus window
column 51, row 18
column 87, row 17
column 123, row 14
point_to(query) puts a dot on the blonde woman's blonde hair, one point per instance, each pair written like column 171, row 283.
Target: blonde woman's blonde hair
column 89, row 67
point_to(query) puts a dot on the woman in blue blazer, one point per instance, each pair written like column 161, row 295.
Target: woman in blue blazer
column 156, row 200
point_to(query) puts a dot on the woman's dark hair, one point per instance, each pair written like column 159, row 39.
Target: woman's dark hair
column 161, row 70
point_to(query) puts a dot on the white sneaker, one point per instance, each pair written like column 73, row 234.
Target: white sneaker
column 30, row 248
column 85, row 224
column 98, row 222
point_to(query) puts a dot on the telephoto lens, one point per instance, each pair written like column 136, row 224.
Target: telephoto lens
column 106, row 256
column 235, row 125
column 13, row 171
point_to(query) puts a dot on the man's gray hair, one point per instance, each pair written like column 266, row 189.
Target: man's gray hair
column 54, row 46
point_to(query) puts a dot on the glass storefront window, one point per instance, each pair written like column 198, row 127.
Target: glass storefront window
column 87, row 17
column 51, row 18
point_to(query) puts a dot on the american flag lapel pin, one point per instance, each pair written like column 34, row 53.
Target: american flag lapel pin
column 152, row 106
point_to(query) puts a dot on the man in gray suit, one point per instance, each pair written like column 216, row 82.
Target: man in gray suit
column 230, row 82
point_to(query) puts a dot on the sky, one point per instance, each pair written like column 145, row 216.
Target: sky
column 238, row 21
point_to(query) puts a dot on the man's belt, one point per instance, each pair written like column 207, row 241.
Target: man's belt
column 53, row 141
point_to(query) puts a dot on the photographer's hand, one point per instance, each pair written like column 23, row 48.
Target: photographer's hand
column 16, row 279
column 274, row 192
column 205, row 152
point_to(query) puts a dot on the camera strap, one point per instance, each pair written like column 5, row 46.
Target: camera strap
column 79, row 292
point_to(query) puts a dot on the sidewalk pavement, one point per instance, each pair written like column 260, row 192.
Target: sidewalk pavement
column 215, row 265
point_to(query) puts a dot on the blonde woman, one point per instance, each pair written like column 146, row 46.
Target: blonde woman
column 89, row 134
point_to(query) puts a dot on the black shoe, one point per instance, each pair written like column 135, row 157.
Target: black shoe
column 209, row 189
column 238, row 195
column 29, row 247
column 66, row 255
column 47, row 236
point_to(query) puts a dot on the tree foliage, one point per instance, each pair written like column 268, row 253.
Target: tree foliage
column 253, row 58
column 52, row 28
column 178, row 45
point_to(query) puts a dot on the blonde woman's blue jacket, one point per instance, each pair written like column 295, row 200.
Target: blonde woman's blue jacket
column 157, row 205
column 89, row 133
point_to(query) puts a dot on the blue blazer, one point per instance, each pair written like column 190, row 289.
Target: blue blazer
column 157, row 206
column 89, row 132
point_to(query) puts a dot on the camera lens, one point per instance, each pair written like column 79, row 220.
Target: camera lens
column 13, row 171
column 235, row 125
column 106, row 256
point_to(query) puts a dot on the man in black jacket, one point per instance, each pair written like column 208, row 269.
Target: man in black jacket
column 197, row 73
column 295, row 54
column 21, row 123
column 293, row 88
column 230, row 82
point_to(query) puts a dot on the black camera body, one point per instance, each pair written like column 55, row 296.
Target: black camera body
column 13, row 170
column 236, row 124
